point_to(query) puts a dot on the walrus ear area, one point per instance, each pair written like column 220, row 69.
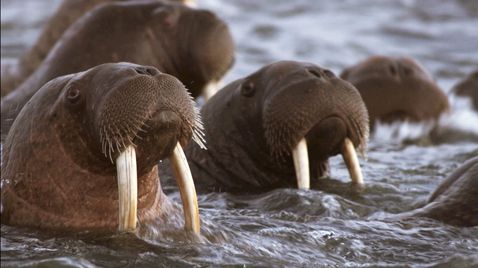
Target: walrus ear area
column 248, row 89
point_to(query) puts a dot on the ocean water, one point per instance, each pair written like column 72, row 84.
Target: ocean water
column 331, row 226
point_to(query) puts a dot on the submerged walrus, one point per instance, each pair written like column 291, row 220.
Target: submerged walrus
column 455, row 199
column 88, row 141
column 191, row 44
column 65, row 15
column 285, row 115
column 396, row 89
column 468, row 88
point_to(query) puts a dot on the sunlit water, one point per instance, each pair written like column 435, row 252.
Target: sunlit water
column 332, row 225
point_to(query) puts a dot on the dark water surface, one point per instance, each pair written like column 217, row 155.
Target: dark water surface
column 331, row 225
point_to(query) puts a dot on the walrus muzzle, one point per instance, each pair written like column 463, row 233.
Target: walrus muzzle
column 301, row 163
column 128, row 189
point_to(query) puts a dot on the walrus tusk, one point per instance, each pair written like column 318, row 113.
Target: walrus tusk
column 187, row 190
column 190, row 3
column 301, row 164
column 351, row 161
column 210, row 89
column 127, row 189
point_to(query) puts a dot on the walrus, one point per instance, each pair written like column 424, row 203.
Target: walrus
column 468, row 88
column 191, row 44
column 276, row 128
column 396, row 89
column 454, row 201
column 83, row 152
column 67, row 13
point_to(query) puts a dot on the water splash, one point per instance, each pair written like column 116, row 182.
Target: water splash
column 398, row 132
column 462, row 117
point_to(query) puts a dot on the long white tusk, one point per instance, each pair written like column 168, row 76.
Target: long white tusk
column 127, row 189
column 351, row 160
column 210, row 89
column 187, row 190
column 301, row 164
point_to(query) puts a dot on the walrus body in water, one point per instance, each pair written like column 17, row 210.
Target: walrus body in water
column 83, row 152
column 191, row 44
column 455, row 199
column 396, row 89
column 276, row 128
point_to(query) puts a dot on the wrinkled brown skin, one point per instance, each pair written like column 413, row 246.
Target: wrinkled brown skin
column 455, row 200
column 468, row 88
column 191, row 44
column 67, row 13
column 396, row 89
column 57, row 175
column 252, row 124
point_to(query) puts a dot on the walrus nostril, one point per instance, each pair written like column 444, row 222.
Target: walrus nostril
column 315, row 73
column 393, row 70
column 329, row 73
column 407, row 70
column 146, row 70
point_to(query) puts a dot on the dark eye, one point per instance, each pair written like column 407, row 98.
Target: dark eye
column 73, row 95
column 248, row 89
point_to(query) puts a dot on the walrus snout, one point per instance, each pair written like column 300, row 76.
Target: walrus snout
column 141, row 106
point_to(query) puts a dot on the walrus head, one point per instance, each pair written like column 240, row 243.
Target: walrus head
column 397, row 89
column 211, row 47
column 87, row 138
column 285, row 115
column 191, row 44
column 468, row 88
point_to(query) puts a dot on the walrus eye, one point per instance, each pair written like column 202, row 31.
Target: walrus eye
column 73, row 95
column 248, row 89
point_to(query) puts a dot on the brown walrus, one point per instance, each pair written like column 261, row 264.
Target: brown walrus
column 193, row 45
column 396, row 89
column 468, row 88
column 67, row 13
column 263, row 130
column 455, row 199
column 88, row 141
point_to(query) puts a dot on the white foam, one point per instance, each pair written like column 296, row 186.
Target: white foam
column 400, row 131
column 462, row 117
